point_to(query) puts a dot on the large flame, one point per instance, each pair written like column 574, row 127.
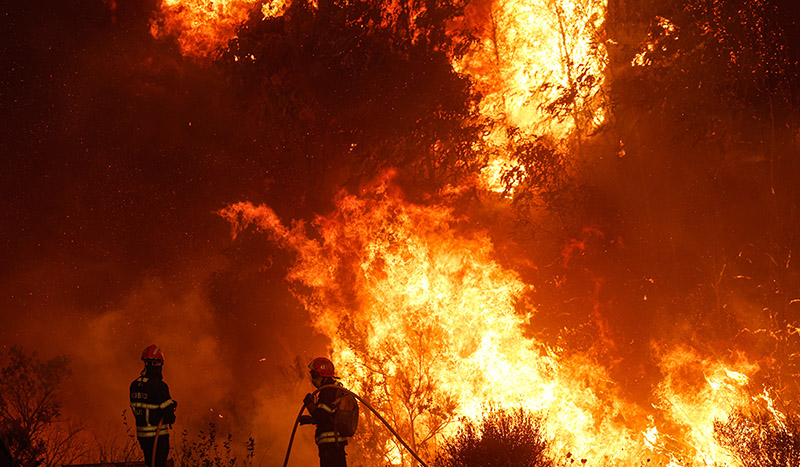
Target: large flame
column 429, row 327
column 535, row 53
column 202, row 27
column 539, row 64
column 540, row 67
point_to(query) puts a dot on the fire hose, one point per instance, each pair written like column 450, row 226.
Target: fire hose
column 396, row 435
column 155, row 442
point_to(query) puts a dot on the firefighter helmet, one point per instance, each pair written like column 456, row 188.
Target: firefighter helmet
column 323, row 366
column 153, row 355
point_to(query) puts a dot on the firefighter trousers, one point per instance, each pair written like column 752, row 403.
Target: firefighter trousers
column 332, row 455
column 162, row 450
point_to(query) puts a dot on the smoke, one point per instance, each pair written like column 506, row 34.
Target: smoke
column 181, row 324
column 213, row 376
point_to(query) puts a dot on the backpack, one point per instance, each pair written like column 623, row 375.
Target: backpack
column 345, row 418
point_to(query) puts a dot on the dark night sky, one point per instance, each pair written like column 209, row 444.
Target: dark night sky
column 116, row 155
column 101, row 142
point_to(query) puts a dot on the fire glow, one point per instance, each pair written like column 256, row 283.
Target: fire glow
column 419, row 312
column 538, row 65
column 202, row 27
column 421, row 316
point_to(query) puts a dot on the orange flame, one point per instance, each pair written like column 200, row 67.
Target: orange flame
column 202, row 27
column 425, row 324
column 540, row 67
column 693, row 394
column 533, row 51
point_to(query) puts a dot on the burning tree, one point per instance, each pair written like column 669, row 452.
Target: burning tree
column 539, row 64
column 356, row 88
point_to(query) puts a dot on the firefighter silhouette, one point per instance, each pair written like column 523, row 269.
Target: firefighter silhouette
column 153, row 408
column 330, row 443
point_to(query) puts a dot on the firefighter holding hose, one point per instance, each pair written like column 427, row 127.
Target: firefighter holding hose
column 153, row 408
column 330, row 436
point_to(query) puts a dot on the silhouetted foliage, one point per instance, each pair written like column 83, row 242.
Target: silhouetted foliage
column 30, row 402
column 341, row 92
column 502, row 438
column 760, row 439
column 207, row 451
column 540, row 176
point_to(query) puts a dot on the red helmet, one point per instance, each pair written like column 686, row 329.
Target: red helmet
column 153, row 355
column 323, row 366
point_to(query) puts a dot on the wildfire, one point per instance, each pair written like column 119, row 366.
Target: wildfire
column 426, row 325
column 423, row 321
column 202, row 27
column 534, row 53
column 540, row 67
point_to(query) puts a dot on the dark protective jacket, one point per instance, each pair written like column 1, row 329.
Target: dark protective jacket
column 323, row 416
column 151, row 403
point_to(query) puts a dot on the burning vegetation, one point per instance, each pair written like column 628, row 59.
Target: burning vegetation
column 556, row 232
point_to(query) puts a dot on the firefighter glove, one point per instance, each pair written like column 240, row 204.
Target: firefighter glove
column 309, row 399
column 306, row 420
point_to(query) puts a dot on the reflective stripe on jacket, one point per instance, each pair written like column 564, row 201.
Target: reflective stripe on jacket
column 151, row 404
column 329, row 437
column 323, row 416
column 149, row 430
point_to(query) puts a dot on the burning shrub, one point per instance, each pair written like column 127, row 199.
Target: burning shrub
column 501, row 438
column 761, row 438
